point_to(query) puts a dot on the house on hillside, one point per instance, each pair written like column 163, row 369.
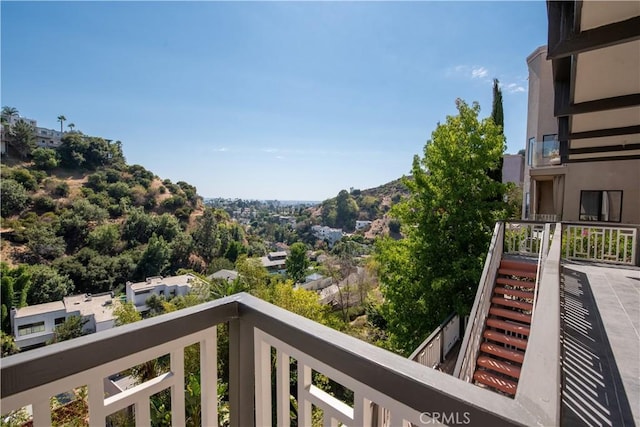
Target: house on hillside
column 34, row 325
column 275, row 262
column 168, row 287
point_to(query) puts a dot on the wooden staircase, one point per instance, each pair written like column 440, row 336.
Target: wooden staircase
column 507, row 326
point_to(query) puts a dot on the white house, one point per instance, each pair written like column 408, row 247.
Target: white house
column 137, row 293
column 275, row 262
column 34, row 325
column 362, row 224
column 331, row 235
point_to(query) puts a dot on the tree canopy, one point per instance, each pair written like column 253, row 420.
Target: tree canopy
column 447, row 221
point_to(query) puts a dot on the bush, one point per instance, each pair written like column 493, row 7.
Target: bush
column 14, row 197
column 44, row 204
column 45, row 158
column 24, row 177
column 61, row 189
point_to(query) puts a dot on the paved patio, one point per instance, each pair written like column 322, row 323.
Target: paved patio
column 601, row 345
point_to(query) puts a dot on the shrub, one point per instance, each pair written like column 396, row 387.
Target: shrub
column 45, row 158
column 44, row 204
column 24, row 177
column 14, row 197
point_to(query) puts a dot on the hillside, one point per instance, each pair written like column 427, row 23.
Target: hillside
column 372, row 204
column 79, row 219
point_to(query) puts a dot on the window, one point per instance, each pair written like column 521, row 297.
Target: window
column 30, row 328
column 526, row 205
column 530, row 149
column 601, row 206
column 549, row 145
column 142, row 292
column 59, row 321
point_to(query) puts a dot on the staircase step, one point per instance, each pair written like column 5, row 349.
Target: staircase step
column 510, row 314
column 516, row 328
column 496, row 382
column 518, row 265
column 499, row 366
column 512, row 303
column 516, row 283
column 505, row 339
column 497, row 350
column 517, row 273
column 513, row 292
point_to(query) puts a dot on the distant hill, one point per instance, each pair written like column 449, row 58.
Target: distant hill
column 372, row 204
column 83, row 220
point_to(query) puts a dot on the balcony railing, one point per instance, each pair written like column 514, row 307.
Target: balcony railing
column 264, row 342
column 545, row 153
column 595, row 242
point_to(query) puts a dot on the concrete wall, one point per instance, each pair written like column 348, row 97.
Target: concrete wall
column 540, row 118
column 606, row 175
column 512, row 169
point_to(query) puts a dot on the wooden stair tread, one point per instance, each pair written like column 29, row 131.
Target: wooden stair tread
column 497, row 350
column 499, row 366
column 505, row 339
column 512, row 303
column 513, row 292
column 509, row 326
column 517, row 273
column 511, row 314
column 496, row 382
column 518, row 265
column 516, row 283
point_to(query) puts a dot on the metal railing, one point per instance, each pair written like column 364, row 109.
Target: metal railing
column 544, row 217
column 433, row 351
column 595, row 242
column 264, row 342
column 546, row 153
column 466, row 363
column 542, row 259
column 523, row 237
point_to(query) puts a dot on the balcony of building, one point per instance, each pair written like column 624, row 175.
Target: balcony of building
column 580, row 362
column 545, row 153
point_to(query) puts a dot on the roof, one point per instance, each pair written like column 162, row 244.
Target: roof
column 100, row 306
column 34, row 310
column 152, row 282
column 224, row 274
column 266, row 262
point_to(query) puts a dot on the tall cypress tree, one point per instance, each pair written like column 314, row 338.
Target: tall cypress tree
column 497, row 115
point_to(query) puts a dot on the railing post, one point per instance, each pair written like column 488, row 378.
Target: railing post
column 241, row 374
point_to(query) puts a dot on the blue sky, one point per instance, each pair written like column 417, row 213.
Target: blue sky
column 268, row 100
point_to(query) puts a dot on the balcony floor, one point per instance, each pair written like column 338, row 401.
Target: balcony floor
column 601, row 345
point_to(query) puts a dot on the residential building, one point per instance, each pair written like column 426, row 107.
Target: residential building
column 512, row 169
column 46, row 138
column 362, row 224
column 34, row 325
column 330, row 235
column 586, row 165
column 168, row 287
column 275, row 262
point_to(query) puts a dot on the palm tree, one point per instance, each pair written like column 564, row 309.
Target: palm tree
column 9, row 111
column 71, row 126
column 61, row 119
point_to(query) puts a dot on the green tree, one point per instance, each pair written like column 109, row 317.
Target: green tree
column 206, row 238
column 104, row 238
column 346, row 211
column 45, row 158
column 14, row 287
column 72, row 327
column 47, row 285
column 297, row 262
column 156, row 258
column 43, row 243
column 497, row 115
column 8, row 111
column 126, row 313
column 61, row 119
column 14, row 197
column 8, row 344
column 71, row 126
column 22, row 138
column 447, row 221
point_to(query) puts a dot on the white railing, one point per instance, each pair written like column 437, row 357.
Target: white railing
column 433, row 351
column 466, row 363
column 542, row 259
column 263, row 340
column 545, row 217
column 594, row 242
column 523, row 238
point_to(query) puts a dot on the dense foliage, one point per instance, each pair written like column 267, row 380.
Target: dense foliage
column 447, row 221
